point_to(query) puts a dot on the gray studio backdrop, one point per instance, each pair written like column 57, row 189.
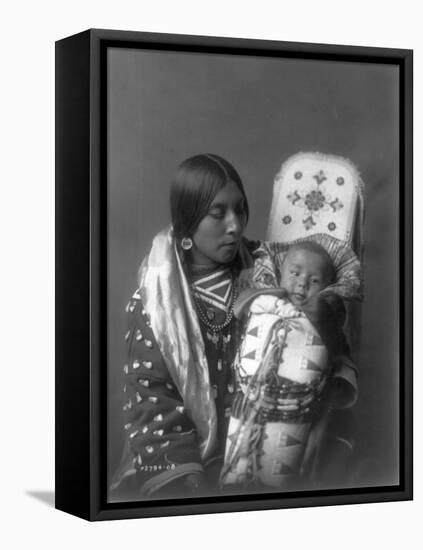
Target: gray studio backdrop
column 164, row 107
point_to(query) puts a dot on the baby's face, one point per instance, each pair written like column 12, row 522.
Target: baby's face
column 304, row 274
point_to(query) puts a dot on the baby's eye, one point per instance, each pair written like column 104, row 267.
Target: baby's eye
column 295, row 273
column 315, row 281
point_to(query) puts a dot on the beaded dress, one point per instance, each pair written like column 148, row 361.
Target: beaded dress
column 178, row 383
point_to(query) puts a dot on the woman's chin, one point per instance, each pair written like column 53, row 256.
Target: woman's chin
column 227, row 255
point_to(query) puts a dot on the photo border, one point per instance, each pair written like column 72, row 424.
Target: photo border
column 81, row 273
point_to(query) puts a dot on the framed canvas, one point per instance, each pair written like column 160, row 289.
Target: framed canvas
column 199, row 181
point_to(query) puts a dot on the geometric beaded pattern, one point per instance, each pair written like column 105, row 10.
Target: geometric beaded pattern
column 214, row 289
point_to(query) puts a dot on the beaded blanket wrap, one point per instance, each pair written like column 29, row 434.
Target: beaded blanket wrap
column 281, row 369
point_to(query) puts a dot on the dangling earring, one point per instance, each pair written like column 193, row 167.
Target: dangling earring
column 186, row 243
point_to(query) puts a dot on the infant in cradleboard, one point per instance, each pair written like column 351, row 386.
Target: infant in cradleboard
column 290, row 346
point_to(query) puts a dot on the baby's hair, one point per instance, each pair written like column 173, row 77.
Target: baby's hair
column 312, row 246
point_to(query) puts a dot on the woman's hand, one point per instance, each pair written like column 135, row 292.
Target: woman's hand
column 327, row 313
column 316, row 309
column 325, row 307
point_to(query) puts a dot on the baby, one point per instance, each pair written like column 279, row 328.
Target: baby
column 281, row 370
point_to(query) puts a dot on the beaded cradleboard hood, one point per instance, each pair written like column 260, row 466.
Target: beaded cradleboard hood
column 313, row 194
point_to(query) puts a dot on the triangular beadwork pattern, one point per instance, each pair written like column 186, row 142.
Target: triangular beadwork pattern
column 215, row 289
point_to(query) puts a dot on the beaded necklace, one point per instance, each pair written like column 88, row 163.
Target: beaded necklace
column 215, row 292
column 213, row 330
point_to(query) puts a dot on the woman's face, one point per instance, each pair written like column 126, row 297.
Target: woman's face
column 218, row 236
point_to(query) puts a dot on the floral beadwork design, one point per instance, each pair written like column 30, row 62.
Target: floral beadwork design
column 298, row 175
column 286, row 220
column 340, row 181
column 320, row 177
column 309, row 222
column 313, row 200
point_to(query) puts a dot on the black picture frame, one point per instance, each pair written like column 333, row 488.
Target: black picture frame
column 81, row 277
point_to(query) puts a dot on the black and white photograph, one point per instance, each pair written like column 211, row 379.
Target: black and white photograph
column 210, row 274
column 253, row 292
